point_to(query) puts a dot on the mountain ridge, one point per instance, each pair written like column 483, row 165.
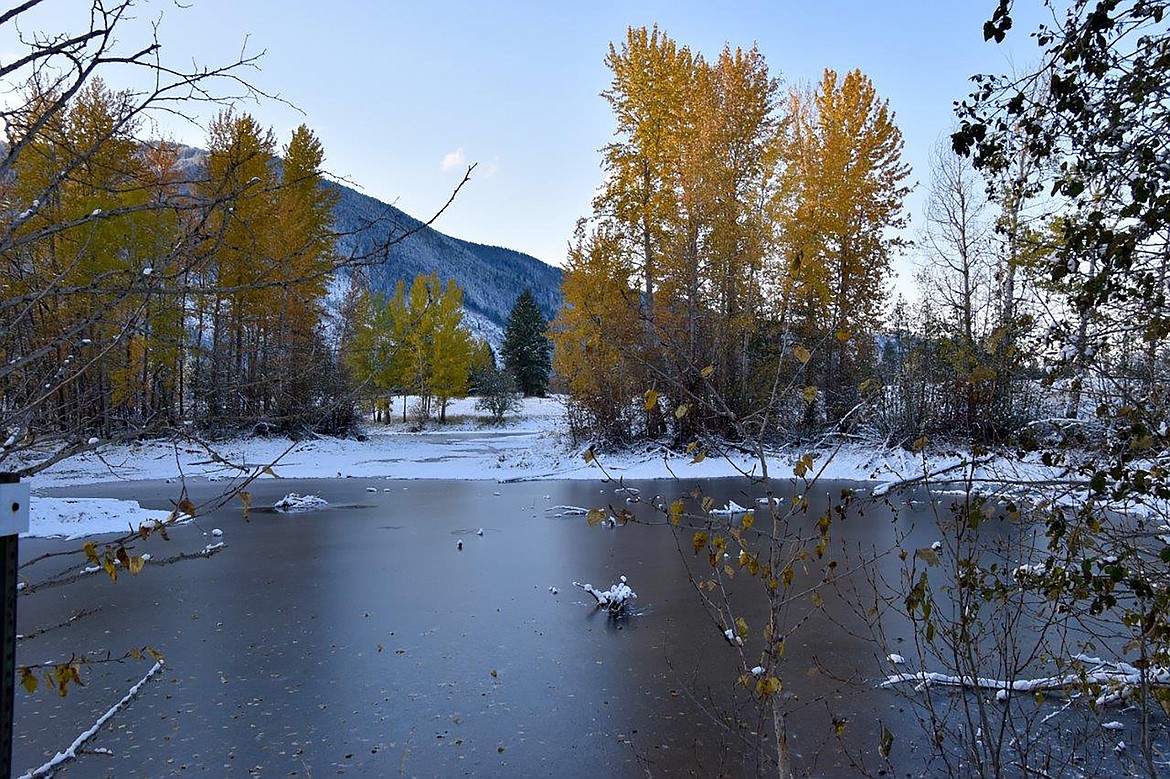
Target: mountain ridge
column 491, row 277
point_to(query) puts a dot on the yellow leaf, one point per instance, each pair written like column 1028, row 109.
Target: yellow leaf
column 706, row 372
column 268, row 470
column 817, row 600
column 651, row 399
column 810, row 393
column 885, row 742
column 676, row 511
column 158, row 657
column 699, row 540
column 91, row 551
column 136, row 565
column 918, row 445
column 708, row 503
column 691, row 446
column 748, row 520
column 801, row 354
column 246, row 501
column 186, row 507
column 589, row 456
column 28, row 680
column 844, row 335
column 682, row 411
column 741, row 627
column 595, row 517
column 803, row 465
column 699, row 458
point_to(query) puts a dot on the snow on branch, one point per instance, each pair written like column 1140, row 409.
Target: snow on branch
column 71, row 753
column 1117, row 680
column 615, row 599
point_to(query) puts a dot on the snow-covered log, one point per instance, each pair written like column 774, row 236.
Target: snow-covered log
column 1116, row 680
column 615, row 599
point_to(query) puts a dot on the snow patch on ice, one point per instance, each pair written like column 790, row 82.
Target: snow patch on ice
column 293, row 503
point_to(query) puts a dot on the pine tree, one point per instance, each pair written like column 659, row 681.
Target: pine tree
column 527, row 352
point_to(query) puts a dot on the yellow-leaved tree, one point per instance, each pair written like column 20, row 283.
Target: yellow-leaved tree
column 843, row 186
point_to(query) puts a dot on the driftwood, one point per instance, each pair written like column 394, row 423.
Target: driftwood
column 615, row 600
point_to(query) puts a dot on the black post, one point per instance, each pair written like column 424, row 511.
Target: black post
column 9, row 546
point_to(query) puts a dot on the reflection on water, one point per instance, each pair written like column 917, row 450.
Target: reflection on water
column 361, row 639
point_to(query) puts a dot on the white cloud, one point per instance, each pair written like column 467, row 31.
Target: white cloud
column 454, row 159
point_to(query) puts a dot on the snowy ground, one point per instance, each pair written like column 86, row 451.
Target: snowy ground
column 529, row 446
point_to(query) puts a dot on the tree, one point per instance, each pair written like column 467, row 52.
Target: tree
column 1080, row 139
column 686, row 206
column 527, row 351
column 842, row 195
column 498, row 394
column 483, row 359
column 415, row 343
column 452, row 345
column 597, row 332
column 304, row 243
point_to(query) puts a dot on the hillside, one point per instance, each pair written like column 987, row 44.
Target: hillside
column 491, row 276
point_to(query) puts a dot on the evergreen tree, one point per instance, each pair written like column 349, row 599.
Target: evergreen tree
column 527, row 352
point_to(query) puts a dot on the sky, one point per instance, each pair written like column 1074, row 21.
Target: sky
column 405, row 95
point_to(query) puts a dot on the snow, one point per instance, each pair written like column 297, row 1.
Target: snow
column 896, row 659
column 528, row 447
column 77, row 517
column 1117, row 680
column 615, row 599
column 293, row 503
column 732, row 637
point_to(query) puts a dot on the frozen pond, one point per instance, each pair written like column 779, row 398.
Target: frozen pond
column 360, row 640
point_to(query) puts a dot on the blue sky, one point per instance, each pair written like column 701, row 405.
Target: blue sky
column 393, row 89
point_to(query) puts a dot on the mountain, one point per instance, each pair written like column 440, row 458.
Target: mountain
column 491, row 277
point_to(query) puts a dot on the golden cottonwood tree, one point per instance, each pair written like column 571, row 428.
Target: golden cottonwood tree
column 303, row 242
column 452, row 345
column 843, row 186
column 413, row 343
column 686, row 204
column 595, row 333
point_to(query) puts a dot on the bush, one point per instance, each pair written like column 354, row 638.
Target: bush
column 498, row 394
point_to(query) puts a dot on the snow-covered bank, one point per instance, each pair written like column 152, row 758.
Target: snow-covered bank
column 530, row 447
column 77, row 517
